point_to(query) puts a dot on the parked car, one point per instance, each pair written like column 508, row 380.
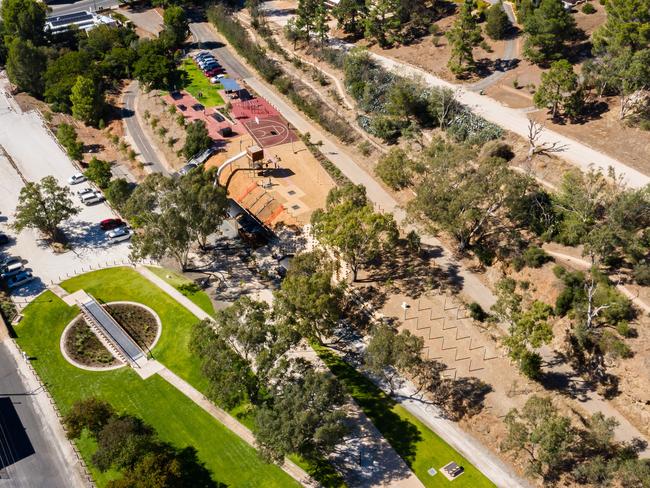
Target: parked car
column 6, row 260
column 76, row 179
column 209, row 64
column 11, row 270
column 213, row 72
column 92, row 198
column 110, row 224
column 207, row 61
column 118, row 235
column 4, row 239
column 85, row 191
column 20, row 279
column 201, row 54
column 215, row 79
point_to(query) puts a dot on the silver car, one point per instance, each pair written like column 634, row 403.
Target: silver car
column 118, row 235
column 20, row 279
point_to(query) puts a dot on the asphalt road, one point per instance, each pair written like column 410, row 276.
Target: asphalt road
column 133, row 127
column 83, row 5
column 206, row 38
column 29, row 455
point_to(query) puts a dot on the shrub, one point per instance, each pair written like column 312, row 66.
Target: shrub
column 498, row 149
column 414, row 241
column 624, row 329
column 477, row 312
column 118, row 192
column 535, row 257
column 394, row 170
column 641, row 274
column 365, row 148
column 518, row 263
column 612, row 345
column 99, row 172
column 67, row 136
column 530, row 364
column 588, row 8
column 564, row 302
column 188, row 288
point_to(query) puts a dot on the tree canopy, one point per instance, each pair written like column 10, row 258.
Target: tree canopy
column 43, row 206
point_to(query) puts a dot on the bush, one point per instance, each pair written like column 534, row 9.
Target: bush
column 386, row 128
column 198, row 139
column 394, row 169
column 118, row 192
column 564, row 302
column 477, row 312
column 188, row 288
column 99, row 172
column 624, row 329
column 641, row 274
column 498, row 149
column 67, row 136
column 613, row 346
column 535, row 257
column 530, row 364
column 365, row 148
column 518, row 263
column 588, row 9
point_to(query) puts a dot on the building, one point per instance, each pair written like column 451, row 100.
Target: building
column 82, row 20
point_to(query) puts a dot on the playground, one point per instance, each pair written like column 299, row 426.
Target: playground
column 270, row 131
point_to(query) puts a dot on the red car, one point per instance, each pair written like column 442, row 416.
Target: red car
column 213, row 72
column 110, row 224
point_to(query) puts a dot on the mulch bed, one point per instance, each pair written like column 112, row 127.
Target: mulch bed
column 83, row 346
column 137, row 321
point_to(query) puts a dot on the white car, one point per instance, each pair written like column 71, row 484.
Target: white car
column 76, row 179
column 85, row 191
column 91, row 198
column 20, row 279
column 215, row 79
column 118, row 235
column 11, row 269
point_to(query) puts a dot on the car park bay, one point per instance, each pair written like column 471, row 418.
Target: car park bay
column 35, row 154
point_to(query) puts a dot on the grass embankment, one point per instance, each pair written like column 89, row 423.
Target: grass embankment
column 420, row 447
column 199, row 84
column 175, row 417
column 199, row 298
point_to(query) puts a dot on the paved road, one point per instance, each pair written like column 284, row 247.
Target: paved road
column 29, row 457
column 510, row 52
column 142, row 144
column 66, row 8
column 206, row 38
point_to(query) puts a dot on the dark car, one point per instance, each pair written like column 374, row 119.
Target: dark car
column 4, row 239
column 110, row 224
column 213, row 72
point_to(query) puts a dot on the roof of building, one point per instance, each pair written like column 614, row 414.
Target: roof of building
column 229, row 84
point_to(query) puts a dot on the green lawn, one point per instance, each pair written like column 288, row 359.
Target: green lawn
column 175, row 279
column 198, row 83
column 420, row 447
column 176, row 418
column 172, row 350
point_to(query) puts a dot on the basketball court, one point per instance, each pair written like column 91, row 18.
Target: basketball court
column 270, row 131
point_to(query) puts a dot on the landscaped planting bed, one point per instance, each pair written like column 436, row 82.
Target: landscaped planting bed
column 141, row 325
column 83, row 346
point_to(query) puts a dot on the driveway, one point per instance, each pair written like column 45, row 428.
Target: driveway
column 31, row 154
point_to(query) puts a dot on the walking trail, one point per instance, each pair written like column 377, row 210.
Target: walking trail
column 472, row 287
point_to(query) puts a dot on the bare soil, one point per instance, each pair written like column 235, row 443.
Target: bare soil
column 161, row 117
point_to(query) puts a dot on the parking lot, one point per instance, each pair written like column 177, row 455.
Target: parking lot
column 34, row 154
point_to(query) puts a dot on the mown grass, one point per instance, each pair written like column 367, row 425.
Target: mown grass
column 197, row 83
column 175, row 417
column 172, row 349
column 199, row 298
column 418, row 445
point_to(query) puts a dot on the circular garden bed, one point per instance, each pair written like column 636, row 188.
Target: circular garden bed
column 82, row 347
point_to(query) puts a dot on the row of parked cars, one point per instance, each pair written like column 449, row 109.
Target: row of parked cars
column 210, row 66
column 115, row 230
column 12, row 268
